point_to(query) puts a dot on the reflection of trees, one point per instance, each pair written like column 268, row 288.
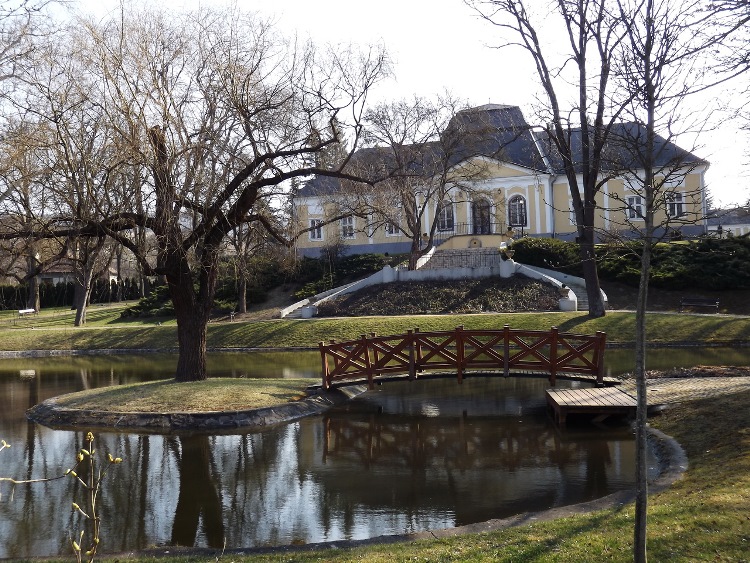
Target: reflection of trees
column 198, row 496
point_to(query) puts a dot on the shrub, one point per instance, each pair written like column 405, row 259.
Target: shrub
column 554, row 254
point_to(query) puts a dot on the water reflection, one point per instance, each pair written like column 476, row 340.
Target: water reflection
column 406, row 457
column 198, row 498
column 372, row 468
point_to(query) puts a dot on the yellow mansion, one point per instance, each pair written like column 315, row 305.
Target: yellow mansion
column 521, row 190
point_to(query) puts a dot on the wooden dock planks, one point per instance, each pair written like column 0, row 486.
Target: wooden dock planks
column 599, row 401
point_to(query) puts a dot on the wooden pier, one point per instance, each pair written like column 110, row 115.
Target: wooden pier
column 599, row 401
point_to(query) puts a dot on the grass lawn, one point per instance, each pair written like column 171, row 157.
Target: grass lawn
column 53, row 330
column 226, row 394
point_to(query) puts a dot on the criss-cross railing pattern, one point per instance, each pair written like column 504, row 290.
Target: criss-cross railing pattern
column 550, row 352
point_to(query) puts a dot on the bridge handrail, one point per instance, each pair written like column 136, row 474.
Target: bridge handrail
column 550, row 352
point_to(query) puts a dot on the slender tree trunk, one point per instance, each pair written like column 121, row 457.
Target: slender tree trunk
column 242, row 294
column 591, row 275
column 32, row 267
column 81, row 293
column 414, row 253
column 641, row 423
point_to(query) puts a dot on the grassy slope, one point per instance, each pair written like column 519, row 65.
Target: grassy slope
column 49, row 332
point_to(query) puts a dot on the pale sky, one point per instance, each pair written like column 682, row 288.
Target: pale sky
column 440, row 45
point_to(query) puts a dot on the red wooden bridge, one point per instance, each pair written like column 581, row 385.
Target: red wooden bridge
column 416, row 354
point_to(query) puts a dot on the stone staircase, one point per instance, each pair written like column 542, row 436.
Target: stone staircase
column 463, row 258
column 580, row 290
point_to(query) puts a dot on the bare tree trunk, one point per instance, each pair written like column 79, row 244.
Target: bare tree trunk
column 591, row 277
column 33, row 301
column 81, row 294
column 641, row 422
column 242, row 294
column 191, row 338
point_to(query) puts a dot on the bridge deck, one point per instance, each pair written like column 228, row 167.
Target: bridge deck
column 600, row 401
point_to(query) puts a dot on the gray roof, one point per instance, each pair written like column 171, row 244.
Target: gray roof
column 621, row 150
column 502, row 133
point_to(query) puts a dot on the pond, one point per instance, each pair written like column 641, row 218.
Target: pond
column 403, row 458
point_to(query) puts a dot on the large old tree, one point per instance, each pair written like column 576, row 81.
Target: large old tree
column 211, row 117
column 219, row 109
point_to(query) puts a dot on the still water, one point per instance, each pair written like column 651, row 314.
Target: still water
column 403, row 458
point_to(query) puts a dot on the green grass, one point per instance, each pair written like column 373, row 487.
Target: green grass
column 55, row 332
column 702, row 517
column 226, row 394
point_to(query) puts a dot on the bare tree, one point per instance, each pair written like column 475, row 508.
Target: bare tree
column 661, row 63
column 219, row 110
column 21, row 24
column 579, row 136
column 81, row 156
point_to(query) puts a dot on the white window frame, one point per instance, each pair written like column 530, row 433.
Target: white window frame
column 675, row 204
column 445, row 212
column 316, row 229
column 348, row 227
column 512, row 209
column 634, row 210
column 572, row 214
column 392, row 229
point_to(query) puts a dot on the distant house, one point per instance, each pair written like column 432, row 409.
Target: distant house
column 523, row 190
column 729, row 222
column 63, row 271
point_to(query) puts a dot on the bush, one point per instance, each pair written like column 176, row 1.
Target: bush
column 554, row 254
column 155, row 304
column 707, row 263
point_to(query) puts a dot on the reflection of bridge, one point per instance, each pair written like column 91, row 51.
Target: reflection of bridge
column 555, row 354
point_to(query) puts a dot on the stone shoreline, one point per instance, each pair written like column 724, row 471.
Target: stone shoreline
column 49, row 413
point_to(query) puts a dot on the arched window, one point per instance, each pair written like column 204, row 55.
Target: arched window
column 445, row 215
column 517, row 211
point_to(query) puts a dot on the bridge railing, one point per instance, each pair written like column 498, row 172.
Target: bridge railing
column 551, row 352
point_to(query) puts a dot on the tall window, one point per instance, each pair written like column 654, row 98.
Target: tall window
column 572, row 213
column 392, row 229
column 481, row 219
column 316, row 229
column 347, row 227
column 517, row 211
column 675, row 204
column 635, row 207
column 445, row 216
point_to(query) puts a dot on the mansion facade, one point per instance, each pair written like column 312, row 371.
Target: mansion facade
column 522, row 191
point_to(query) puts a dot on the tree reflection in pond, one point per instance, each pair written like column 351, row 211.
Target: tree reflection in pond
column 199, row 497
column 384, row 465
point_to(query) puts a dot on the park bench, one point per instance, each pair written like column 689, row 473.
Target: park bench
column 26, row 312
column 699, row 302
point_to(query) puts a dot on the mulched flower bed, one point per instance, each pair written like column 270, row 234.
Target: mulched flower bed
column 497, row 295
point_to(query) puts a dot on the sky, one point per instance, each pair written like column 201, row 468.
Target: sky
column 442, row 46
